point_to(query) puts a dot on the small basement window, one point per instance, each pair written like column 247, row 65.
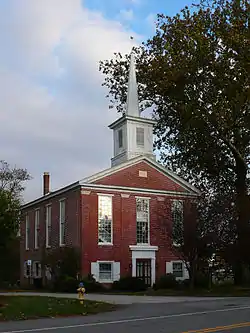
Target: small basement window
column 105, row 271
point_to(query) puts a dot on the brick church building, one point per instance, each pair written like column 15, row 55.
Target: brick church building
column 115, row 216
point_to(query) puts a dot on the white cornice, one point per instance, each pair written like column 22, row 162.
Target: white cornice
column 125, row 118
column 135, row 190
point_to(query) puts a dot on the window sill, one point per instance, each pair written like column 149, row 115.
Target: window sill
column 48, row 246
column 62, row 245
column 105, row 281
column 105, row 244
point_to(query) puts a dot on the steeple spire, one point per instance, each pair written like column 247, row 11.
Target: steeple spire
column 132, row 94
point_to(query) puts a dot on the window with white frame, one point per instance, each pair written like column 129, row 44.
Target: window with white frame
column 177, row 222
column 105, row 219
column 37, row 228
column 178, row 269
column 140, row 136
column 62, row 222
column 177, row 212
column 48, row 226
column 105, row 271
column 27, row 270
column 27, row 232
column 142, row 221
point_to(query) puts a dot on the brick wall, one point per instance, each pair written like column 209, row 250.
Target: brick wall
column 82, row 220
column 72, row 226
column 129, row 177
column 124, row 231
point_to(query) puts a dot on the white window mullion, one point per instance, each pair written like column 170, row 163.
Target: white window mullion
column 27, row 232
column 177, row 211
column 37, row 228
column 48, row 226
column 142, row 221
column 105, row 220
column 62, row 222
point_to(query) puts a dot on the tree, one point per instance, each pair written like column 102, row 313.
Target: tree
column 12, row 179
column 11, row 187
column 62, row 263
column 195, row 74
column 192, row 237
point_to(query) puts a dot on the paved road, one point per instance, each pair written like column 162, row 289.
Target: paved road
column 189, row 316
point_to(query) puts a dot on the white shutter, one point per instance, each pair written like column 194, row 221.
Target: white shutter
column 169, row 267
column 95, row 270
column 186, row 274
column 116, row 271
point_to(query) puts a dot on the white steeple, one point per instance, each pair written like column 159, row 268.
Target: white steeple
column 132, row 134
column 132, row 107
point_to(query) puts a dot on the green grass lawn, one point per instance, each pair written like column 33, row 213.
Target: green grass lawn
column 30, row 307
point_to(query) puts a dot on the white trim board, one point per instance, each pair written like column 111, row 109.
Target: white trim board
column 135, row 190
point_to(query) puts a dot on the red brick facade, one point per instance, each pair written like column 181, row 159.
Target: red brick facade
column 82, row 217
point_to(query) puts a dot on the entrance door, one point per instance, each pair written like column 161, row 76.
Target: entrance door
column 143, row 270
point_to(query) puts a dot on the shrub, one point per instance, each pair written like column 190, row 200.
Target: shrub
column 167, row 281
column 66, row 284
column 129, row 283
column 201, row 280
column 70, row 284
column 91, row 285
column 184, row 284
column 38, row 283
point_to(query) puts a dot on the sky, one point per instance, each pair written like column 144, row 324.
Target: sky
column 54, row 116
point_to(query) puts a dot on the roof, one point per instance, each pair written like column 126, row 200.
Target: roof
column 86, row 182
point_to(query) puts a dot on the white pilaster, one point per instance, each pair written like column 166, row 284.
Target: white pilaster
column 134, row 267
column 153, row 270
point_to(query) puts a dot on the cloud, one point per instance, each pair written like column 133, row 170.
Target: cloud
column 126, row 15
column 151, row 20
column 54, row 114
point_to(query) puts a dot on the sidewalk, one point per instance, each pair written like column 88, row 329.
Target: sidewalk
column 119, row 299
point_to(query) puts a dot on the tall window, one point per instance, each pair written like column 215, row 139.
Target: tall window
column 142, row 221
column 37, row 228
column 105, row 219
column 27, row 232
column 120, row 138
column 48, row 226
column 62, row 222
column 177, row 221
column 177, row 213
column 140, row 136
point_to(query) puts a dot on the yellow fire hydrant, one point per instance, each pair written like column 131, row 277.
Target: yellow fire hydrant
column 81, row 291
